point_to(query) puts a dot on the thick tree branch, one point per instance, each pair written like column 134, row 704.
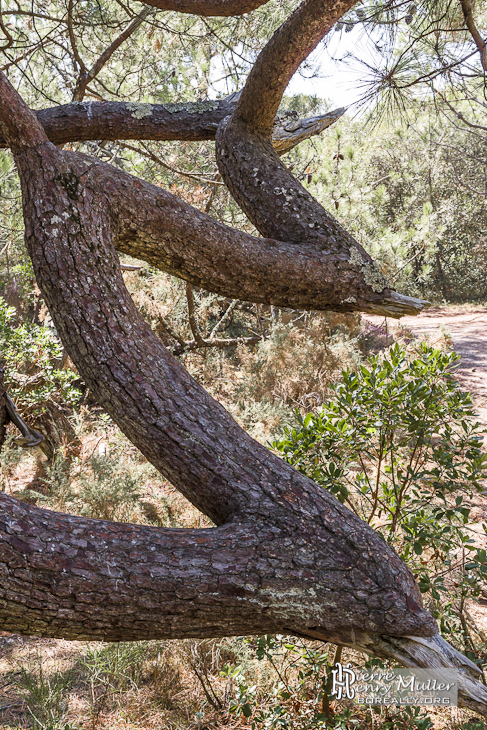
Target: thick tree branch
column 190, row 121
column 474, row 32
column 274, row 201
column 208, row 8
column 277, row 63
column 287, row 555
column 189, row 437
column 155, row 226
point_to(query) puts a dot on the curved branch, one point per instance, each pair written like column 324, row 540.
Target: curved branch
column 155, row 226
column 290, row 557
column 313, row 545
column 282, row 209
column 30, row 437
column 277, row 63
column 273, row 200
column 474, row 32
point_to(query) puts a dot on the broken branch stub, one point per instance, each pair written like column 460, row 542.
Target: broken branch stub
column 190, row 121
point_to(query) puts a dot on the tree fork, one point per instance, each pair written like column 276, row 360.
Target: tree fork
column 189, row 437
column 273, row 200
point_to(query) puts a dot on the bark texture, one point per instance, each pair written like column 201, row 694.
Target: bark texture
column 298, row 541
column 285, row 555
column 208, row 8
column 290, row 45
column 276, row 203
column 191, row 122
column 151, row 224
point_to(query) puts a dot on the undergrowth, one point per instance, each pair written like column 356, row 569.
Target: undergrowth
column 393, row 437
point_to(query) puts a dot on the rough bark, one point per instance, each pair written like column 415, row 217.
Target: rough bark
column 208, row 8
column 150, row 223
column 290, row 45
column 191, row 122
column 4, row 418
column 273, row 200
column 285, row 555
column 195, row 443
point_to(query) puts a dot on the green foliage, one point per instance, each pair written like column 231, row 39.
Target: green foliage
column 115, row 667
column 398, row 443
column 297, row 699
column 104, row 487
column 110, row 492
column 30, row 354
column 414, row 200
column 46, row 695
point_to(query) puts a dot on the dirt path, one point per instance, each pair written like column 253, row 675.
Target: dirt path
column 468, row 329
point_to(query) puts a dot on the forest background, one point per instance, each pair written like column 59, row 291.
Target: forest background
column 405, row 170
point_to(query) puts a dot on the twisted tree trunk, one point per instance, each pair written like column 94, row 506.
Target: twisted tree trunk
column 285, row 555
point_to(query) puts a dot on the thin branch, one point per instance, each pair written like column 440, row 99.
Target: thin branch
column 192, row 315
column 230, row 342
column 86, row 76
column 224, row 319
column 30, row 437
column 8, row 36
column 155, row 158
column 72, row 40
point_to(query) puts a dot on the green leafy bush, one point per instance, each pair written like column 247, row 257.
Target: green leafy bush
column 30, row 354
column 399, row 444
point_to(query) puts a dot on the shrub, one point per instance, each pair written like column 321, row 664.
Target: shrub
column 399, row 444
column 31, row 354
